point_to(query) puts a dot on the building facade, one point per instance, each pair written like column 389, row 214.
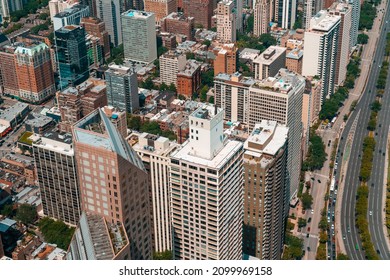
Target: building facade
column 226, row 22
column 70, row 16
column 57, row 177
column 113, row 181
column 279, row 99
column 170, row 64
column 139, row 36
column 225, row 59
column 97, row 28
column 178, row 24
column 355, row 18
column 160, row 8
column 200, row 10
column 321, row 47
column 188, row 79
column 206, row 188
column 109, row 11
column 122, row 88
column 268, row 63
column 71, row 55
column 265, row 190
column 262, row 16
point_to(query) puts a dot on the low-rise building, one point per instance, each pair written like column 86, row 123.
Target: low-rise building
column 188, row 80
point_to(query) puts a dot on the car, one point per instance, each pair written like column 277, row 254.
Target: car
column 370, row 213
column 9, row 145
column 383, row 154
column 308, row 229
column 332, row 226
column 312, row 178
column 378, row 252
column 344, row 237
column 309, row 220
column 319, row 181
column 308, row 249
column 380, row 125
column 335, row 192
column 307, row 235
column 312, row 211
column 330, row 141
column 349, row 229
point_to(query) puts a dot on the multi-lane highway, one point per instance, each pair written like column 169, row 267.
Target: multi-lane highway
column 350, row 179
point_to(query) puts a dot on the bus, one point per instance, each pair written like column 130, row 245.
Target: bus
column 357, row 247
column 332, row 184
column 333, row 121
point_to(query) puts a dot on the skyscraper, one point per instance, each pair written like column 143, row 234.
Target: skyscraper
column 57, row 176
column 261, row 17
column 226, row 22
column 320, row 50
column 122, row 88
column 155, row 153
column 109, row 11
column 34, row 71
column 232, row 94
column 265, row 190
column 170, row 64
column 206, row 188
column 113, row 181
column 279, row 99
column 71, row 55
column 342, row 59
column 355, row 21
column 139, row 36
column 160, row 8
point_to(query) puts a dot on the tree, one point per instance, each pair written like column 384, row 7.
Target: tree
column 207, row 78
column 56, row 232
column 250, row 23
column 362, row 39
column 206, row 43
column 190, row 55
column 7, row 210
column 43, row 16
column 376, row 106
column 302, row 222
column 134, row 122
column 293, row 249
column 163, row 87
column 267, row 40
column 341, row 256
column 203, row 93
column 307, row 200
column 172, row 87
column 26, row 213
column 211, row 100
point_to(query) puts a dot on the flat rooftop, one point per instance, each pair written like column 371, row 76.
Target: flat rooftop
column 10, row 113
column 269, row 135
column 235, row 78
column 270, row 55
column 72, row 10
column 137, row 14
column 206, row 112
column 224, row 155
column 323, row 21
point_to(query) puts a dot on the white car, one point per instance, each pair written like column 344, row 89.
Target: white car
column 332, row 226
column 312, row 211
column 370, row 213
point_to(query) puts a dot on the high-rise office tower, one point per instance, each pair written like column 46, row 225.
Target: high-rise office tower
column 238, row 6
column 70, row 16
column 170, row 64
column 226, row 22
column 269, row 62
column 109, row 11
column 139, row 36
column 97, row 239
column 206, row 191
column 320, row 50
column 345, row 12
column 311, row 8
column 71, row 55
column 265, row 190
column 58, row 6
column 225, row 59
column 122, row 88
column 355, row 21
column 155, row 152
column 4, row 10
column 261, row 17
column 97, row 28
column 34, row 72
column 113, row 181
column 201, row 10
column 160, row 8
column 57, row 177
column 232, row 94
column 286, row 13
column 284, row 92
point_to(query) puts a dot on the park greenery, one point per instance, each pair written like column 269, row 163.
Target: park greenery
column 362, row 39
column 136, row 123
column 307, row 200
column 367, row 15
column 353, row 71
column 26, row 214
column 381, row 82
column 260, row 43
column 302, row 222
column 117, row 55
column 388, row 198
column 293, row 249
column 56, row 232
column 331, row 106
column 13, row 28
column 342, row 257
column 316, row 155
column 299, row 21
column 323, row 236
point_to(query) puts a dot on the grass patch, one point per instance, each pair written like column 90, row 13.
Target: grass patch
column 24, row 138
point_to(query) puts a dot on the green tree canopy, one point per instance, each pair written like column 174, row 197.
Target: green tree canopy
column 26, row 213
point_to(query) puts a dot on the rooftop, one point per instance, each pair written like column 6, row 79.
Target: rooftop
column 190, row 68
column 137, row 14
column 38, row 120
column 72, row 10
column 295, row 54
column 269, row 136
column 248, row 53
column 323, row 21
column 270, row 55
column 235, row 78
column 206, row 112
column 31, row 49
column 10, row 113
column 98, row 131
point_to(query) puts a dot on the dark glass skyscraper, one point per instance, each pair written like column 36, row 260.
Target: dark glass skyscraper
column 72, row 59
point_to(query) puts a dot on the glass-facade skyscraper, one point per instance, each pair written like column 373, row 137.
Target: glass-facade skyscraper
column 71, row 54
